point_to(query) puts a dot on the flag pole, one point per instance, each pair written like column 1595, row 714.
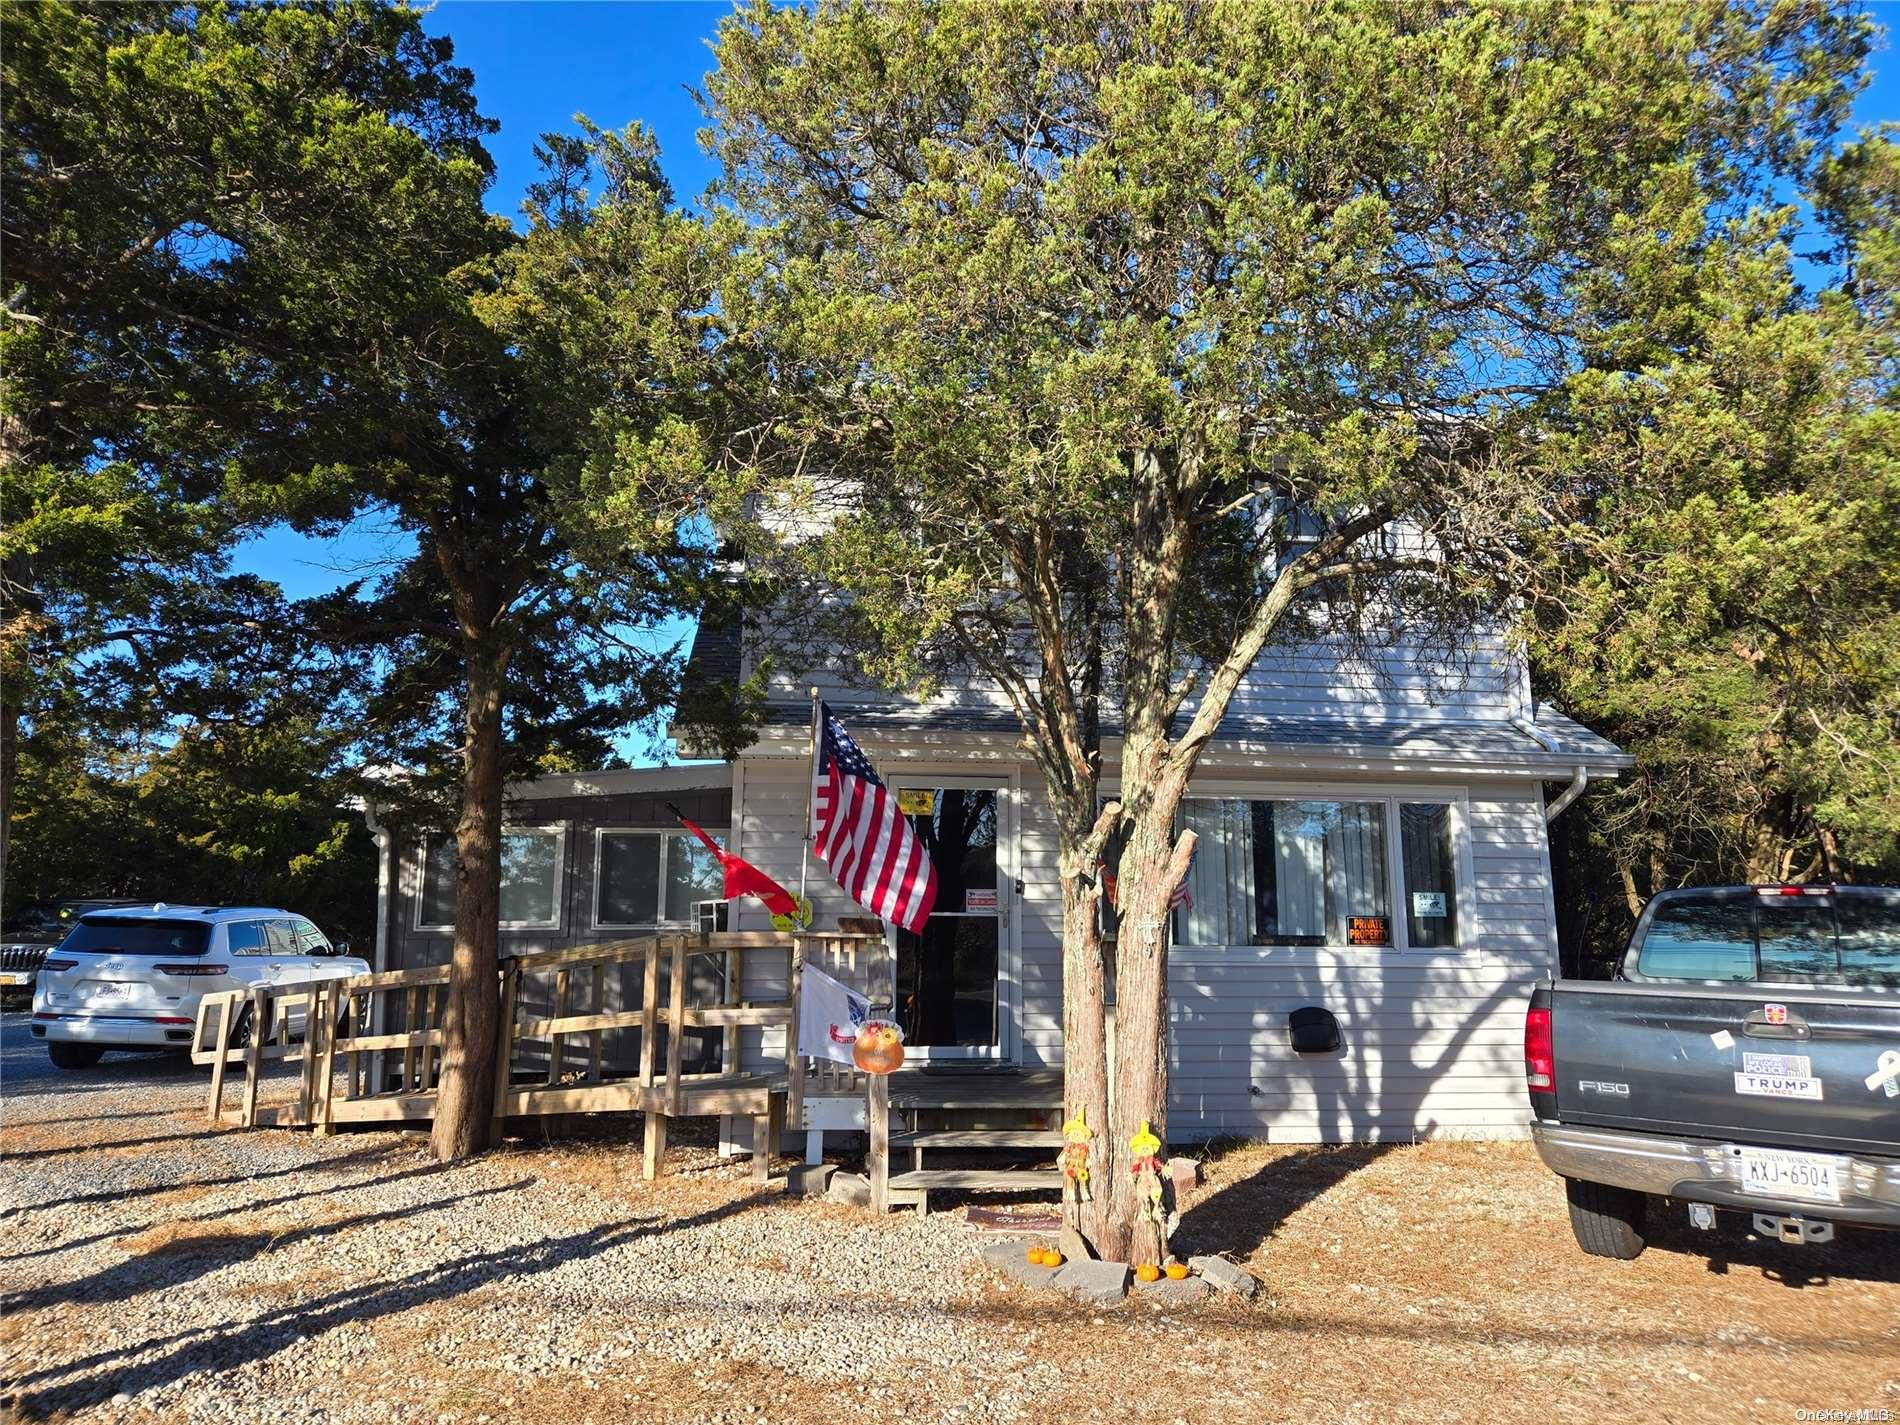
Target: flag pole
column 811, row 780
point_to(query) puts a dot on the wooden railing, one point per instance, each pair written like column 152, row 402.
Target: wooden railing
column 385, row 1032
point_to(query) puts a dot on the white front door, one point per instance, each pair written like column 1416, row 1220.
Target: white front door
column 955, row 986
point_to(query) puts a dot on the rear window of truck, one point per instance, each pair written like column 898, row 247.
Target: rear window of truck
column 1851, row 937
column 128, row 935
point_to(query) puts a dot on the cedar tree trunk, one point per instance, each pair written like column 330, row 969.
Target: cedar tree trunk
column 465, row 1100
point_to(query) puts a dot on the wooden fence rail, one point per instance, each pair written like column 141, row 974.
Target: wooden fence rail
column 390, row 1074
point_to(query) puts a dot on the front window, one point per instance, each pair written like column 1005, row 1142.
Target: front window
column 530, row 879
column 1304, row 872
column 653, row 878
column 1431, row 882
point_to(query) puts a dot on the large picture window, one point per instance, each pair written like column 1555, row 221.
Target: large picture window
column 652, row 877
column 1313, row 871
column 1287, row 873
column 530, row 879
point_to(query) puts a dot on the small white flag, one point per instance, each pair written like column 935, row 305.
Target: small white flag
column 829, row 1016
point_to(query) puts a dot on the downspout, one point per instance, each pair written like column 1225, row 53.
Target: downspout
column 1570, row 793
column 1579, row 779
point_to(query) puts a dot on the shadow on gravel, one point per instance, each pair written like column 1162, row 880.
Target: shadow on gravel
column 326, row 1165
column 172, row 1264
column 33, row 1155
column 264, row 1336
column 1242, row 1215
column 426, row 1170
column 80, row 1118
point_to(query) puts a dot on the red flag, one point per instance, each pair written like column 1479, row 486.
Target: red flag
column 742, row 877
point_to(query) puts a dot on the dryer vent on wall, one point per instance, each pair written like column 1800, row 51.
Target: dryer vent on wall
column 1312, row 1030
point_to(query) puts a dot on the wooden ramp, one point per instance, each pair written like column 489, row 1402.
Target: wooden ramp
column 370, row 1046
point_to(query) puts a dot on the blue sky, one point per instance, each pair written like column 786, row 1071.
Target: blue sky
column 537, row 63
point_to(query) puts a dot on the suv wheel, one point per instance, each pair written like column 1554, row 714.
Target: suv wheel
column 74, row 1056
column 1607, row 1221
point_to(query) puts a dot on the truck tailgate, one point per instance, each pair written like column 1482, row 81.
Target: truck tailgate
column 1770, row 1065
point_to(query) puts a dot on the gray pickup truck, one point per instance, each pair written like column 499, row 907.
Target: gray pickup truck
column 1746, row 1059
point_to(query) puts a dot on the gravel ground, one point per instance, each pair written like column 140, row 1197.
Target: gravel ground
column 156, row 1268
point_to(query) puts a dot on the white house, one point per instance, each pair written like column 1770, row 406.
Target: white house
column 1373, row 842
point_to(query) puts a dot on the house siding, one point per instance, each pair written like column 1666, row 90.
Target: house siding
column 579, row 816
column 1432, row 1040
column 1404, row 681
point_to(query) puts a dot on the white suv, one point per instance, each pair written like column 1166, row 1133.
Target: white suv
column 131, row 977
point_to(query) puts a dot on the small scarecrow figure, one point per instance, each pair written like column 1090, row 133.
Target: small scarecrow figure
column 1074, row 1163
column 1149, row 1193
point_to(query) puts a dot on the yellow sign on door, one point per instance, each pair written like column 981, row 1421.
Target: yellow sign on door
column 916, row 801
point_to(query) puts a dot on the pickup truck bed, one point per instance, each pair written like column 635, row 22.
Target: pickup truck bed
column 1779, row 1099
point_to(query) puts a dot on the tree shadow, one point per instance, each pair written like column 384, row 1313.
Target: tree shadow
column 1261, row 1204
column 274, row 1331
column 33, row 1155
column 168, row 1266
column 341, row 1163
column 426, row 1170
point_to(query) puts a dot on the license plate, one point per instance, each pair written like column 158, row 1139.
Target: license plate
column 15, row 977
column 1812, row 1177
column 107, row 989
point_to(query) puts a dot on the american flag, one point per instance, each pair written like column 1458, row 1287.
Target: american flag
column 1180, row 898
column 863, row 837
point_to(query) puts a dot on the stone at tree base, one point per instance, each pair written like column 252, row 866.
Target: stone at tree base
column 1073, row 1245
column 1009, row 1259
column 812, row 1179
column 1167, row 1292
column 852, row 1189
column 1223, row 1275
column 1185, row 1173
column 1098, row 1283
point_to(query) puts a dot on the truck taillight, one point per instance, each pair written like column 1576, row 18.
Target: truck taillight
column 1540, row 1067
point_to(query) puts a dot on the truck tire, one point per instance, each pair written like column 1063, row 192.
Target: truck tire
column 1607, row 1221
column 73, row 1056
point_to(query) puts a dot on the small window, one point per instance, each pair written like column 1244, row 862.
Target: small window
column 1797, row 940
column 1431, row 883
column 1700, row 939
column 653, row 878
column 1870, row 937
column 310, row 940
column 280, row 937
column 530, row 879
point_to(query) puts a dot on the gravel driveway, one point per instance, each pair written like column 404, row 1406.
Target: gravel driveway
column 157, row 1269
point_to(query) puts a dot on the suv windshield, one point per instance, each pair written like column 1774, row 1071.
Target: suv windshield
column 1850, row 935
column 127, row 935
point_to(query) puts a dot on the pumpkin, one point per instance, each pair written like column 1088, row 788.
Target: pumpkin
column 1177, row 1271
column 1051, row 1257
column 1147, row 1272
column 1033, row 1256
column 879, row 1047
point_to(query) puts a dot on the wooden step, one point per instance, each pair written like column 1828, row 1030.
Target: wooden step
column 979, row 1179
column 979, row 1138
